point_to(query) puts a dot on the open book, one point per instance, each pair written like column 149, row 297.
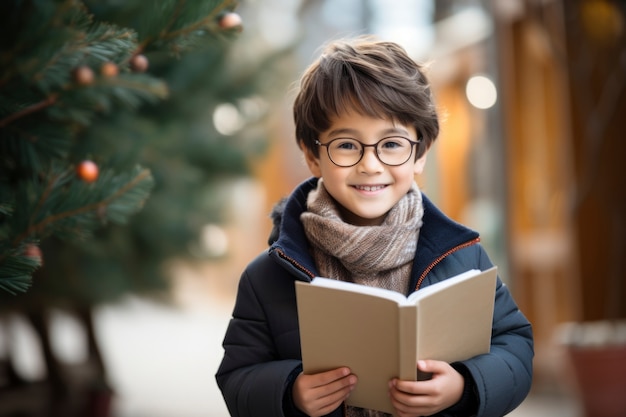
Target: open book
column 381, row 334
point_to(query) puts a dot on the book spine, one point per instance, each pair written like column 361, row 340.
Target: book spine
column 407, row 356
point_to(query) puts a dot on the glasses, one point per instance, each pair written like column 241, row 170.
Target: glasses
column 347, row 152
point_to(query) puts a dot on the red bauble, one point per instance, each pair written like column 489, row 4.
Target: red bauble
column 33, row 251
column 83, row 75
column 109, row 69
column 230, row 20
column 139, row 63
column 87, row 171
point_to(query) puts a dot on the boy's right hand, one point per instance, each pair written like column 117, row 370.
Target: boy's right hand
column 319, row 394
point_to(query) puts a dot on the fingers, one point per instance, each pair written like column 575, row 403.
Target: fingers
column 320, row 394
column 434, row 368
column 325, row 378
column 409, row 402
column 443, row 390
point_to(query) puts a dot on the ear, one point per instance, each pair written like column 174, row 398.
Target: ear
column 418, row 168
column 312, row 161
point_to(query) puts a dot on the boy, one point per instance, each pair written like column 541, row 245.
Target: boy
column 365, row 118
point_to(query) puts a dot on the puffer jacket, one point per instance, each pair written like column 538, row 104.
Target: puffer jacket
column 262, row 342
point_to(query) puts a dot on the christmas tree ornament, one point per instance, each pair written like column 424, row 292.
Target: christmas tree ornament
column 139, row 63
column 109, row 69
column 230, row 20
column 33, row 251
column 87, row 171
column 83, row 75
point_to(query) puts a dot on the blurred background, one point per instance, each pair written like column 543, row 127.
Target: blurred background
column 116, row 290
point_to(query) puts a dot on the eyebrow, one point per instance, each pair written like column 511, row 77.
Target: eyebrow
column 354, row 132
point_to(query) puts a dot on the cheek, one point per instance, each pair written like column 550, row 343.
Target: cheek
column 405, row 176
column 331, row 173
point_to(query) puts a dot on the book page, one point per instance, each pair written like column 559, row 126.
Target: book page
column 442, row 285
column 455, row 324
column 357, row 330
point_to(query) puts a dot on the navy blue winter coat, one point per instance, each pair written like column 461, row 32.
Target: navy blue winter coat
column 262, row 342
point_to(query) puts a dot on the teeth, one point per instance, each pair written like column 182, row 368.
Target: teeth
column 370, row 187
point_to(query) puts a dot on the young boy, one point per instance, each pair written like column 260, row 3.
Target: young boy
column 365, row 118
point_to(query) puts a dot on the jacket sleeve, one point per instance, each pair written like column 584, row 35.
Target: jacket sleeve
column 251, row 377
column 503, row 376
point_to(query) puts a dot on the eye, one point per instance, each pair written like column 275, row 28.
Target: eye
column 393, row 143
column 345, row 144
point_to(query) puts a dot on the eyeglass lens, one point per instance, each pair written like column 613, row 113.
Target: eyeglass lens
column 393, row 150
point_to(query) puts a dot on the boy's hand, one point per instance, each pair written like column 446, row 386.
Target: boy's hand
column 319, row 394
column 424, row 398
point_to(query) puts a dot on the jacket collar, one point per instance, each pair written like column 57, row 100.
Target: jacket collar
column 292, row 243
column 438, row 236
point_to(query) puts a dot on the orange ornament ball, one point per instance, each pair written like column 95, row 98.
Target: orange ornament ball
column 87, row 171
column 83, row 75
column 230, row 20
column 33, row 251
column 139, row 63
column 109, row 69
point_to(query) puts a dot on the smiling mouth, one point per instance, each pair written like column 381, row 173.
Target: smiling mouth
column 369, row 187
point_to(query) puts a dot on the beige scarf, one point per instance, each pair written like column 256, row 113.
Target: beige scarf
column 378, row 256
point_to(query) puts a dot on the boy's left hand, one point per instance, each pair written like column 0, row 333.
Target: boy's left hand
column 424, row 398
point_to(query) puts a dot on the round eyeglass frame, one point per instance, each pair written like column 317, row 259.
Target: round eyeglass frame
column 374, row 145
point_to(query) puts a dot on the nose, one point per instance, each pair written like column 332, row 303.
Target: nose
column 369, row 162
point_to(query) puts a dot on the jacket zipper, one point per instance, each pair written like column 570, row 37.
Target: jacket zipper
column 441, row 258
column 296, row 264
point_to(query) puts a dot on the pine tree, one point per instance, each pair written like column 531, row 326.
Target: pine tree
column 74, row 87
column 109, row 161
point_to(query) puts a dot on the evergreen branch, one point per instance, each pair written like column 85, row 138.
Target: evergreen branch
column 180, row 5
column 54, row 28
column 46, row 193
column 6, row 209
column 99, row 43
column 16, row 272
column 14, row 284
column 202, row 23
column 39, row 228
column 132, row 89
column 33, row 108
column 157, row 89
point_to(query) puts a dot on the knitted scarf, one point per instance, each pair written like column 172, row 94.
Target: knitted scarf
column 378, row 256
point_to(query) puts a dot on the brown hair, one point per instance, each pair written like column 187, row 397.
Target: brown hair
column 375, row 78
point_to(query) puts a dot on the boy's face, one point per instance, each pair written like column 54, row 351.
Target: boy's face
column 369, row 189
